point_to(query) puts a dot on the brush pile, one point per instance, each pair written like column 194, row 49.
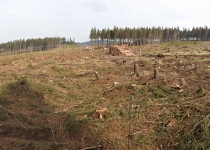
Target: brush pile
column 120, row 50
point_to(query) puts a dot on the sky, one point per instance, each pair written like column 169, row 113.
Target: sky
column 23, row 19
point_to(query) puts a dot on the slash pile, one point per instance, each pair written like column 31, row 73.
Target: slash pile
column 120, row 50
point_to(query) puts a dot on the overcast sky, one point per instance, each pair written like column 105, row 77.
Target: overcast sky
column 75, row 18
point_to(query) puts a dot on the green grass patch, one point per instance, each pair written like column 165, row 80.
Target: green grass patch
column 3, row 115
column 18, row 86
column 4, row 101
column 23, row 87
column 200, row 91
column 45, row 130
column 62, row 72
column 182, row 43
column 42, row 88
column 48, row 63
column 75, row 126
column 161, row 91
column 31, row 66
column 104, row 69
column 200, row 60
column 71, row 46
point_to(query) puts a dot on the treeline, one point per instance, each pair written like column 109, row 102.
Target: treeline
column 68, row 41
column 142, row 35
column 33, row 45
column 30, row 45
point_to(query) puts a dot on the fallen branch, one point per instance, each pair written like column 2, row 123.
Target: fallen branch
column 111, row 118
column 93, row 147
column 125, row 125
column 52, row 131
column 167, row 105
column 64, row 110
column 108, row 90
column 18, row 121
column 10, row 112
column 178, row 131
column 199, row 123
column 91, row 104
column 132, row 134
column 161, row 111
column 63, row 64
column 112, row 87
column 199, row 99
column 135, row 143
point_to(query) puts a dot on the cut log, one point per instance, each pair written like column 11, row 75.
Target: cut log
column 119, row 50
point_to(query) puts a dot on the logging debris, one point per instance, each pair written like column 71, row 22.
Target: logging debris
column 120, row 50
column 160, row 55
column 99, row 112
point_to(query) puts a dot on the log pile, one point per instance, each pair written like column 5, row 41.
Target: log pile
column 120, row 50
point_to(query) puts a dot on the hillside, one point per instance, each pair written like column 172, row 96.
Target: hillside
column 84, row 43
column 70, row 98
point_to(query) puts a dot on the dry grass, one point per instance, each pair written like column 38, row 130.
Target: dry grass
column 49, row 97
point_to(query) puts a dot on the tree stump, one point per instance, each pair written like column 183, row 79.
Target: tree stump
column 96, row 75
column 183, row 82
column 99, row 113
column 140, row 53
column 86, row 58
column 155, row 73
column 169, row 50
column 136, row 70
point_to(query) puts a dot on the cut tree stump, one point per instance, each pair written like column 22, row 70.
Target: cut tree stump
column 96, row 75
column 136, row 70
column 155, row 73
column 99, row 112
column 183, row 82
column 140, row 53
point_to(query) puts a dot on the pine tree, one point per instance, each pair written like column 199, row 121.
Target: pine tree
column 98, row 36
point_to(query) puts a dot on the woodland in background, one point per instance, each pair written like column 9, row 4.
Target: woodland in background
column 33, row 45
column 143, row 36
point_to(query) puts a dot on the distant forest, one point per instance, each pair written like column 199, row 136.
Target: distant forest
column 143, row 36
column 33, row 45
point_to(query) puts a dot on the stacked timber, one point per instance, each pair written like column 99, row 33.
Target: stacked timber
column 120, row 50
